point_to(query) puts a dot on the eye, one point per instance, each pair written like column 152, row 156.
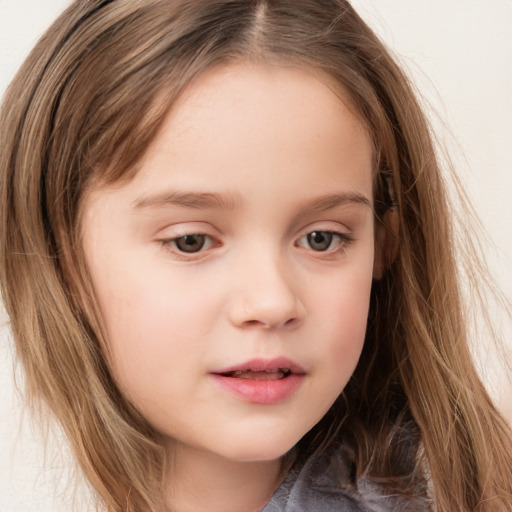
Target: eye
column 321, row 241
column 190, row 243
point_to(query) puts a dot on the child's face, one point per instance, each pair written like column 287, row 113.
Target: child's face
column 244, row 243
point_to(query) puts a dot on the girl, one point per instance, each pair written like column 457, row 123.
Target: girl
column 227, row 258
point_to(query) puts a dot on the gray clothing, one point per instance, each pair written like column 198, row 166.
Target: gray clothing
column 323, row 484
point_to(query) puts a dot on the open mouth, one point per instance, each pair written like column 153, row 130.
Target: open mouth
column 272, row 374
column 261, row 381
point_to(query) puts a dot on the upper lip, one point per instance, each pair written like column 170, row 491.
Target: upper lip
column 262, row 365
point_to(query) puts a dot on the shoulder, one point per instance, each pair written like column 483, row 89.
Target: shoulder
column 325, row 483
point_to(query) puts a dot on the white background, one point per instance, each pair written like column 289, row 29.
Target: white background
column 459, row 53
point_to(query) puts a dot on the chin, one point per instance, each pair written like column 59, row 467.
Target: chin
column 261, row 448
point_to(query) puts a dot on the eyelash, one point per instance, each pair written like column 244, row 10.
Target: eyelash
column 344, row 240
column 170, row 244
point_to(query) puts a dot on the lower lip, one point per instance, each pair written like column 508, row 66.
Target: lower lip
column 261, row 391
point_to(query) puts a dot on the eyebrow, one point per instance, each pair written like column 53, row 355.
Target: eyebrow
column 194, row 200
column 210, row 200
column 329, row 201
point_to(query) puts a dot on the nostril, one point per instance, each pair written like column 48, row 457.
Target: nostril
column 253, row 323
column 292, row 322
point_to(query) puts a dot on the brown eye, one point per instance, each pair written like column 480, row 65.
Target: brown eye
column 319, row 240
column 190, row 243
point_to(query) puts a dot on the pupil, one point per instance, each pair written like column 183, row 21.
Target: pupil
column 320, row 240
column 190, row 243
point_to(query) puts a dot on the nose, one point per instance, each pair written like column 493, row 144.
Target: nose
column 265, row 297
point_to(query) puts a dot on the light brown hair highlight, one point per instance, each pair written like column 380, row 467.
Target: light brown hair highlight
column 83, row 109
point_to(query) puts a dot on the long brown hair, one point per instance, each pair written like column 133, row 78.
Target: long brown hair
column 85, row 106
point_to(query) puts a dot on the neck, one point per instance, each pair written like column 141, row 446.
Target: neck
column 200, row 481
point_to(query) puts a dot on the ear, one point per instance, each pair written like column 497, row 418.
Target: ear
column 387, row 242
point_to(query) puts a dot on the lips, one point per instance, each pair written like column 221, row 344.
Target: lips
column 274, row 374
column 261, row 381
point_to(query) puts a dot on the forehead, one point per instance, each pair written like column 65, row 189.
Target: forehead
column 246, row 112
column 245, row 125
column 280, row 87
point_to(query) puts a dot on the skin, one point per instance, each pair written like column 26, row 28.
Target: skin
column 282, row 154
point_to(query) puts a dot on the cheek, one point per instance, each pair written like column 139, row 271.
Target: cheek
column 342, row 308
column 342, row 298
column 348, row 309
column 159, row 325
